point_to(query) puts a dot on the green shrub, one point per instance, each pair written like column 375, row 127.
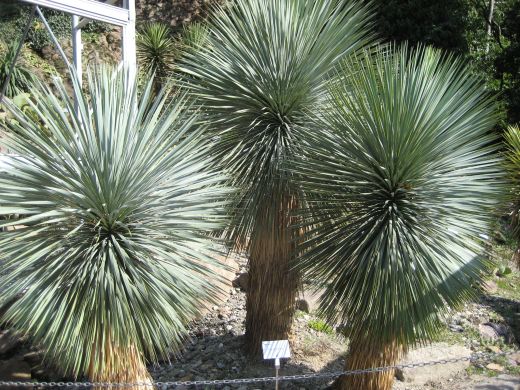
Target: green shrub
column 156, row 51
column 320, row 326
column 38, row 37
column 20, row 77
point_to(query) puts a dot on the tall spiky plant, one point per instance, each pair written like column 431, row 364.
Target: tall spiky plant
column 20, row 78
column 512, row 139
column 262, row 67
column 156, row 52
column 111, row 246
column 401, row 180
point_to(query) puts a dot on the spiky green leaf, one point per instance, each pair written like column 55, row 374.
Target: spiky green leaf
column 114, row 203
column 402, row 178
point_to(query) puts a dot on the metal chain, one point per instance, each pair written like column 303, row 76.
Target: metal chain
column 329, row 375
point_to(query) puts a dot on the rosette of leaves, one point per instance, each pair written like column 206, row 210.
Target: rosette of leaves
column 156, row 51
column 261, row 68
column 115, row 206
column 402, row 175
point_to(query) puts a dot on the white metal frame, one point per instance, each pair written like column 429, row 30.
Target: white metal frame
column 83, row 11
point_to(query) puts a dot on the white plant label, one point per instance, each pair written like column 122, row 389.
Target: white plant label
column 278, row 349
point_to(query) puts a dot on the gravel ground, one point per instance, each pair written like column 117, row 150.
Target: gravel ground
column 215, row 351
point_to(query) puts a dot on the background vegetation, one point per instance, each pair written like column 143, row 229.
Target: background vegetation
column 461, row 26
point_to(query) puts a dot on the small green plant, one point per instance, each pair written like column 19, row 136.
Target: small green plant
column 20, row 78
column 156, row 51
column 503, row 270
column 193, row 36
column 320, row 326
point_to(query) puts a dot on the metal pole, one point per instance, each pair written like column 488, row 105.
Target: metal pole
column 77, row 47
column 128, row 40
column 17, row 54
column 277, row 367
column 53, row 37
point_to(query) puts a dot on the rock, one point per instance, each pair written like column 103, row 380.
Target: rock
column 488, row 332
column 500, row 330
column 515, row 357
column 33, row 358
column 186, row 378
column 15, row 370
column 241, row 281
column 8, row 342
column 493, row 348
column 490, row 287
column 495, row 367
column 311, row 297
column 436, row 373
column 102, row 40
column 45, row 373
column 456, row 328
column 303, row 305
column 114, row 36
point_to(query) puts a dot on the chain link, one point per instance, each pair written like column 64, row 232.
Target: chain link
column 329, row 375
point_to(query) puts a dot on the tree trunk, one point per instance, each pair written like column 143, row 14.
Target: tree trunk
column 272, row 283
column 489, row 23
column 368, row 353
column 114, row 364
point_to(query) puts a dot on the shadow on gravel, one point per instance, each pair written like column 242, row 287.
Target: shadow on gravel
column 500, row 383
column 510, row 310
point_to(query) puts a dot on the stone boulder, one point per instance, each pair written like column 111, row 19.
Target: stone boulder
column 8, row 342
column 15, row 370
column 435, row 373
column 241, row 281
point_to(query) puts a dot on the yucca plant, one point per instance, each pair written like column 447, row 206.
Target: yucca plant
column 156, row 52
column 112, row 244
column 401, row 178
column 261, row 68
column 20, row 78
column 193, row 36
column 512, row 164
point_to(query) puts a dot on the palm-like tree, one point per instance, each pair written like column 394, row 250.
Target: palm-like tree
column 512, row 138
column 401, row 180
column 261, row 68
column 111, row 245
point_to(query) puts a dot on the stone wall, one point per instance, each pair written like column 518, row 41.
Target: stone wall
column 176, row 13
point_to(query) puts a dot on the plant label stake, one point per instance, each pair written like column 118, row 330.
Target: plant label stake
column 276, row 350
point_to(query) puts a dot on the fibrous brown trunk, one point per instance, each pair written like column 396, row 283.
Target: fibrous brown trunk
column 516, row 256
column 366, row 353
column 273, row 283
column 114, row 364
